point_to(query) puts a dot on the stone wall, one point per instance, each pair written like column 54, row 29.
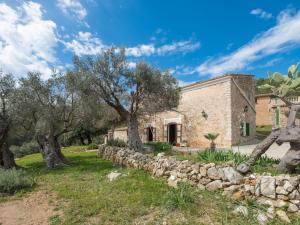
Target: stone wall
column 264, row 114
column 276, row 191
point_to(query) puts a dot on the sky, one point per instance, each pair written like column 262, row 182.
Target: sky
column 194, row 40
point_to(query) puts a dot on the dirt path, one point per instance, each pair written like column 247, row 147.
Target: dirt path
column 33, row 209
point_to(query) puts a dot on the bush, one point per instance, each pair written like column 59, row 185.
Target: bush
column 224, row 156
column 25, row 149
column 92, row 146
column 160, row 146
column 180, row 197
column 14, row 180
column 116, row 142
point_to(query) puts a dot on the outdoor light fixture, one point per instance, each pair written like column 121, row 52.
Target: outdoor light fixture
column 246, row 108
column 204, row 114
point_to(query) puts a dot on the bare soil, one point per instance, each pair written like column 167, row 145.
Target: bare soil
column 33, row 209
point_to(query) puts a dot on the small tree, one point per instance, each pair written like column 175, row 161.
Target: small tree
column 132, row 93
column 281, row 86
column 7, row 115
column 212, row 137
column 49, row 106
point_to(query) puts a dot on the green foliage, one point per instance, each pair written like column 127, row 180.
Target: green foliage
column 211, row 136
column 92, row 146
column 13, row 180
column 116, row 142
column 25, row 149
column 180, row 197
column 224, row 156
column 283, row 85
column 159, row 146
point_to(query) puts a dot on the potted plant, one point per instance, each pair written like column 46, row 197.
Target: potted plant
column 212, row 137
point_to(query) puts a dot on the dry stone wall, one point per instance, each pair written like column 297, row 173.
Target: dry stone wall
column 276, row 191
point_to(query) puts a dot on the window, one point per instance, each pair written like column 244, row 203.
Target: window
column 245, row 129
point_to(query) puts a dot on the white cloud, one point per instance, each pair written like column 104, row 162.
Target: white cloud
column 280, row 38
column 261, row 13
column 72, row 6
column 131, row 65
column 176, row 47
column 182, row 70
column 141, row 50
column 85, row 44
column 27, row 41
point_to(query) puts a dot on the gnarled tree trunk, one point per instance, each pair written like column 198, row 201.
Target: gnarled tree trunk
column 134, row 140
column 51, row 151
column 7, row 160
column 259, row 150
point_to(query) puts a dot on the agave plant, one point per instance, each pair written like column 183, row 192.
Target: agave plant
column 212, row 137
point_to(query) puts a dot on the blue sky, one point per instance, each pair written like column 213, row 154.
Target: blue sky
column 195, row 40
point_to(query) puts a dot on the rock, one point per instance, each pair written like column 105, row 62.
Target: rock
column 214, row 185
column 113, row 175
column 239, row 195
column 296, row 202
column 161, row 154
column 204, row 181
column 241, row 210
column 209, row 165
column 265, row 201
column 201, row 187
column 213, row 173
column 231, row 175
column 262, row 219
column 267, row 186
column 283, row 216
column 279, row 203
column 172, row 181
column 292, row 208
column 294, row 195
column 270, row 212
column 249, row 181
column 283, row 197
column 203, row 171
column 249, row 188
column 288, row 186
column 281, row 190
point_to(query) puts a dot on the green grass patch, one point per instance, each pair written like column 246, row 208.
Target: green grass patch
column 159, row 146
column 264, row 130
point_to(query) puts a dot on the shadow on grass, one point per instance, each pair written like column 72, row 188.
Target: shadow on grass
column 78, row 163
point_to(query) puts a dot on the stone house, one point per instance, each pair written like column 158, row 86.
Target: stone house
column 223, row 105
column 272, row 111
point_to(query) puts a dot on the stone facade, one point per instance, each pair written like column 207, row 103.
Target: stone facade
column 118, row 133
column 280, row 191
column 272, row 111
column 221, row 105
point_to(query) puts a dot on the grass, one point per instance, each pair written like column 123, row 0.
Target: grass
column 264, row 130
column 87, row 197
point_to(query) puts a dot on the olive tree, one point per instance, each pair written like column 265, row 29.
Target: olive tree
column 50, row 106
column 281, row 86
column 131, row 92
column 7, row 115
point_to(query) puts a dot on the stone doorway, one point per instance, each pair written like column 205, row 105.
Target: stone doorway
column 149, row 133
column 172, row 133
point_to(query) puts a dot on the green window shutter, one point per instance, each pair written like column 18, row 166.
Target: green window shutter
column 277, row 117
column 247, row 129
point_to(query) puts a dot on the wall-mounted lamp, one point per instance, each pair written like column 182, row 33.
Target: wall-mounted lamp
column 204, row 114
column 246, row 108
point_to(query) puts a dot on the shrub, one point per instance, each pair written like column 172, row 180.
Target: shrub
column 224, row 156
column 180, row 197
column 92, row 146
column 116, row 142
column 160, row 146
column 25, row 149
column 14, row 180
